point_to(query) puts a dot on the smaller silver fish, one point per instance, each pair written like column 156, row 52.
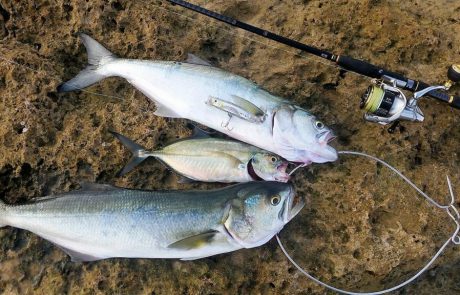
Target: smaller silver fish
column 211, row 160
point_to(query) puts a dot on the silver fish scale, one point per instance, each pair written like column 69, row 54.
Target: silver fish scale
column 131, row 219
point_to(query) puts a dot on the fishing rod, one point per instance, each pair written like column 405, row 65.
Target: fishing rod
column 383, row 101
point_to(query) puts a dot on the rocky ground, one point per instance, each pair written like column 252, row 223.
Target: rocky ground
column 363, row 228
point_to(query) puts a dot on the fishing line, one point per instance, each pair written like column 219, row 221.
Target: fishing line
column 229, row 31
column 450, row 209
column 236, row 33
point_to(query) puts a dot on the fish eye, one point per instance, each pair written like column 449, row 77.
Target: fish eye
column 275, row 200
column 273, row 159
column 319, row 124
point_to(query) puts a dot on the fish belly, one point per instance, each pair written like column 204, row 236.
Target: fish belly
column 184, row 89
column 218, row 167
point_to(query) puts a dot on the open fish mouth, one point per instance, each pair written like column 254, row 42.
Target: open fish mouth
column 326, row 137
column 295, row 204
column 325, row 152
column 282, row 175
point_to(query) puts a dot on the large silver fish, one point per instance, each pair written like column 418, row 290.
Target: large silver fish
column 212, row 160
column 102, row 221
column 220, row 100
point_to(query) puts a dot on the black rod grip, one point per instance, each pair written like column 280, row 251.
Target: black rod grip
column 366, row 69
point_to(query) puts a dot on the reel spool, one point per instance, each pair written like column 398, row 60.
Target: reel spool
column 382, row 103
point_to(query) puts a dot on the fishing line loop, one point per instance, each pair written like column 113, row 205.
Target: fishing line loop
column 297, row 167
column 235, row 33
column 451, row 210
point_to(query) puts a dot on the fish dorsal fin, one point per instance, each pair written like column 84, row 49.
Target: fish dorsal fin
column 40, row 199
column 91, row 186
column 194, row 242
column 193, row 59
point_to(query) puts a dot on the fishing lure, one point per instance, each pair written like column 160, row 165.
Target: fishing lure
column 239, row 107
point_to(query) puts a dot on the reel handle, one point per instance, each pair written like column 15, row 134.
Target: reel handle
column 452, row 100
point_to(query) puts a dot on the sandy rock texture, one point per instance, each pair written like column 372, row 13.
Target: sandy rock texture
column 363, row 228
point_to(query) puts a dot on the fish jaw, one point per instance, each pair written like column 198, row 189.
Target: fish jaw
column 282, row 175
column 324, row 155
column 295, row 204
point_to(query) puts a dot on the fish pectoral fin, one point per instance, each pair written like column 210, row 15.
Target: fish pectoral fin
column 193, row 59
column 195, row 242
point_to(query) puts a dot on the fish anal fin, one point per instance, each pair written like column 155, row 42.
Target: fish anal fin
column 164, row 111
column 194, row 258
column 183, row 179
column 76, row 256
column 193, row 59
column 195, row 242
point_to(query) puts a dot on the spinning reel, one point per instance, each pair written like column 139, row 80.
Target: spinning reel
column 385, row 103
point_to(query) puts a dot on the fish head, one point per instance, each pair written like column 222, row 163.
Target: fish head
column 270, row 167
column 260, row 211
column 301, row 137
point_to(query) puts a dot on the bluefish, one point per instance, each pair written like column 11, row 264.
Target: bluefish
column 102, row 221
column 185, row 90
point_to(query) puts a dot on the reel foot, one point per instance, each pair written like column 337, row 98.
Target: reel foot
column 393, row 127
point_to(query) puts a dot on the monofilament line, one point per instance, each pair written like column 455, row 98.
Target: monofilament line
column 450, row 209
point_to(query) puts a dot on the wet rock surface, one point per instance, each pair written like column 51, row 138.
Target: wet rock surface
column 363, row 228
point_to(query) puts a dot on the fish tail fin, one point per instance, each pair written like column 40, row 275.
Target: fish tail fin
column 98, row 55
column 136, row 149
